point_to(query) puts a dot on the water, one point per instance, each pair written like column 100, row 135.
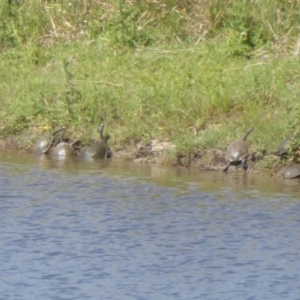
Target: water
column 74, row 230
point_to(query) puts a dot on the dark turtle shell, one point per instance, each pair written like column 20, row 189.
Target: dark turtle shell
column 283, row 147
column 63, row 148
column 291, row 172
column 237, row 151
column 98, row 149
column 44, row 143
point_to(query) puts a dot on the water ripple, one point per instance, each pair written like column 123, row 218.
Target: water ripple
column 98, row 236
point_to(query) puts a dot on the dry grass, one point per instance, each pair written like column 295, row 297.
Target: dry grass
column 196, row 72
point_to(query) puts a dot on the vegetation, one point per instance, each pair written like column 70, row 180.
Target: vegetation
column 199, row 72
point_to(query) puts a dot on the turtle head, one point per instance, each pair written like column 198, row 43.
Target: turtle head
column 62, row 134
column 63, row 128
column 100, row 130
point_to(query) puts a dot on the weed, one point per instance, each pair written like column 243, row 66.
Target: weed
column 152, row 69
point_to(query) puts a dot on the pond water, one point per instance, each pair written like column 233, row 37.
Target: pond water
column 116, row 230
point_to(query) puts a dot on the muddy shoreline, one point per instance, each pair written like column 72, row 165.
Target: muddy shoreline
column 162, row 152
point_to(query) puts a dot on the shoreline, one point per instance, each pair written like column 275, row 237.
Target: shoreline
column 162, row 152
column 199, row 74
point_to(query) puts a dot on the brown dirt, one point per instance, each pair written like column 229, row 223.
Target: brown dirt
column 159, row 151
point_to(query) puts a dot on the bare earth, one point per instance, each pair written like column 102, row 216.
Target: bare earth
column 163, row 152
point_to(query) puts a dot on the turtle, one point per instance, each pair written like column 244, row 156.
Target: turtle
column 283, row 147
column 99, row 149
column 44, row 143
column 291, row 172
column 63, row 148
column 237, row 151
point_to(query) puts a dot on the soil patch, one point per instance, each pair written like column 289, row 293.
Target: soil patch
column 162, row 151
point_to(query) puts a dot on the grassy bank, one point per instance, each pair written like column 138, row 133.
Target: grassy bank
column 197, row 72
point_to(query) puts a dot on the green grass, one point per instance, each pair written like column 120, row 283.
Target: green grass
column 152, row 71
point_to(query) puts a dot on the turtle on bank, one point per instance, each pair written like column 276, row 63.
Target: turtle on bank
column 98, row 149
column 283, row 147
column 44, row 143
column 63, row 148
column 291, row 172
column 237, row 152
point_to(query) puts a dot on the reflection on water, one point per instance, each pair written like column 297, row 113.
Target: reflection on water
column 112, row 230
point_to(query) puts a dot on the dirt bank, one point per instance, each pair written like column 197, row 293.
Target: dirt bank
column 162, row 152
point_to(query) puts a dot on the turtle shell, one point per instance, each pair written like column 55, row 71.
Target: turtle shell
column 43, row 144
column 98, row 149
column 291, row 172
column 63, row 149
column 283, row 147
column 237, row 151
